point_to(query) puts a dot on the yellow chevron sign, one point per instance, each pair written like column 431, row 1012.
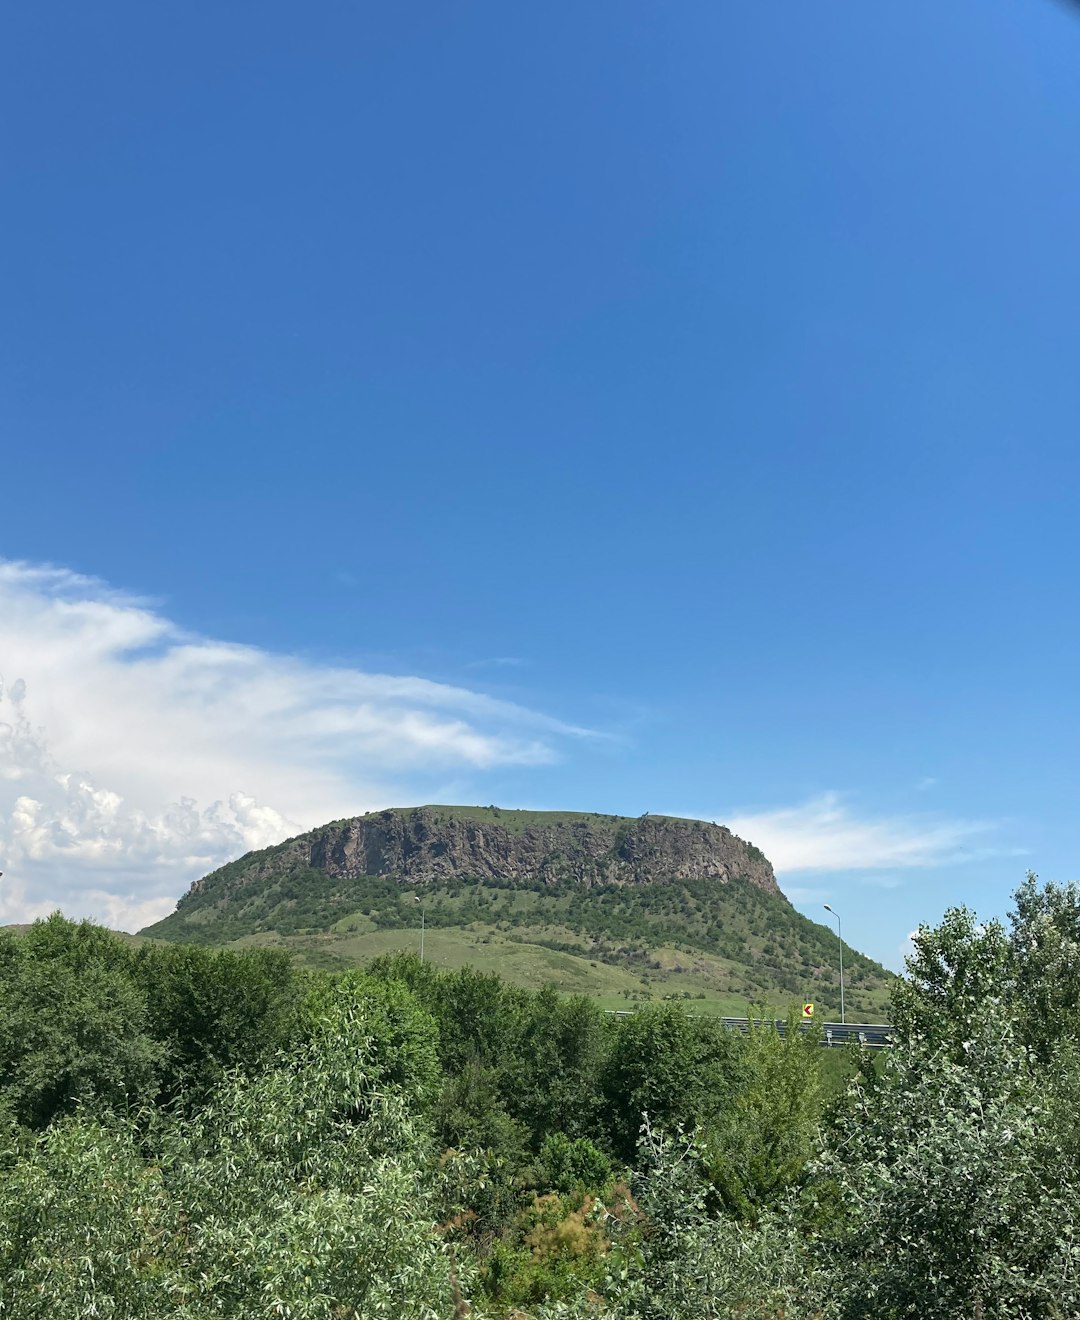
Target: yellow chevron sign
column 808, row 1011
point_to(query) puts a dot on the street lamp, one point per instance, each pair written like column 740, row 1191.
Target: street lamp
column 420, row 901
column 843, row 1019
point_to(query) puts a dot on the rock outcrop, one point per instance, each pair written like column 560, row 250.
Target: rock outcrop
column 426, row 845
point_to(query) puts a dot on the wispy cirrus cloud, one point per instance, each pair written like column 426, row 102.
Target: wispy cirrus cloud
column 135, row 756
column 826, row 834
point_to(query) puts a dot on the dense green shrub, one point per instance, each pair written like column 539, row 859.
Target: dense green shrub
column 198, row 1135
column 306, row 1192
column 676, row 1069
column 74, row 1026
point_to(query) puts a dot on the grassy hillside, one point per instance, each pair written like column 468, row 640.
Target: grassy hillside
column 706, row 984
column 721, row 944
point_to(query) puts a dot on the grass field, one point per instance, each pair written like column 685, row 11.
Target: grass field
column 703, row 982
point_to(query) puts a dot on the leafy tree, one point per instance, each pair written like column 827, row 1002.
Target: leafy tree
column 307, row 1191
column 399, row 1040
column 688, row 1264
column 666, row 1065
column 421, row 978
column 86, row 1227
column 216, row 1010
column 480, row 1019
column 73, row 1026
column 563, row 1050
column 1028, row 973
column 960, row 972
column 472, row 1116
column 1045, row 947
column 955, row 1174
column 78, row 945
column 952, row 1194
column 757, row 1144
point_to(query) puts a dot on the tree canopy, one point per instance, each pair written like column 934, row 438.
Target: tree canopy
column 198, row 1134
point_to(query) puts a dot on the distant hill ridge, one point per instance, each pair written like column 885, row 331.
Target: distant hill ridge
column 620, row 907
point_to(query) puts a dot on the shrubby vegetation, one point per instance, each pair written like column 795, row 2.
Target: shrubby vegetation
column 758, row 943
column 222, row 1134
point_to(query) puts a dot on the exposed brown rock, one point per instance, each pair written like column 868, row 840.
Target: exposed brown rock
column 425, row 845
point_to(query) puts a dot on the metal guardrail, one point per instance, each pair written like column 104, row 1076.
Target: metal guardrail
column 876, row 1035
column 871, row 1035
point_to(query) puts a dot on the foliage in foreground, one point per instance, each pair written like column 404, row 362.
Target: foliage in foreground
column 307, row 1192
column 414, row 1140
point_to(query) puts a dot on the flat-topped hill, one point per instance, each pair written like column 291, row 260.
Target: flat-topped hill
column 624, row 908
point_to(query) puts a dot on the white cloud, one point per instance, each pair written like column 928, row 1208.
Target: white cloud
column 824, row 834
column 134, row 756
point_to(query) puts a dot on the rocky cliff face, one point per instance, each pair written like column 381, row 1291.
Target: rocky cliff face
column 425, row 845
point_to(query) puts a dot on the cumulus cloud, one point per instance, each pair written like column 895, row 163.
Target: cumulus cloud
column 825, row 834
column 135, row 756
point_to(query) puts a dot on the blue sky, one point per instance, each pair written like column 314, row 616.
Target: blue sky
column 617, row 406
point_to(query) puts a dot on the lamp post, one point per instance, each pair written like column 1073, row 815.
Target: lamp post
column 421, row 902
column 840, row 937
